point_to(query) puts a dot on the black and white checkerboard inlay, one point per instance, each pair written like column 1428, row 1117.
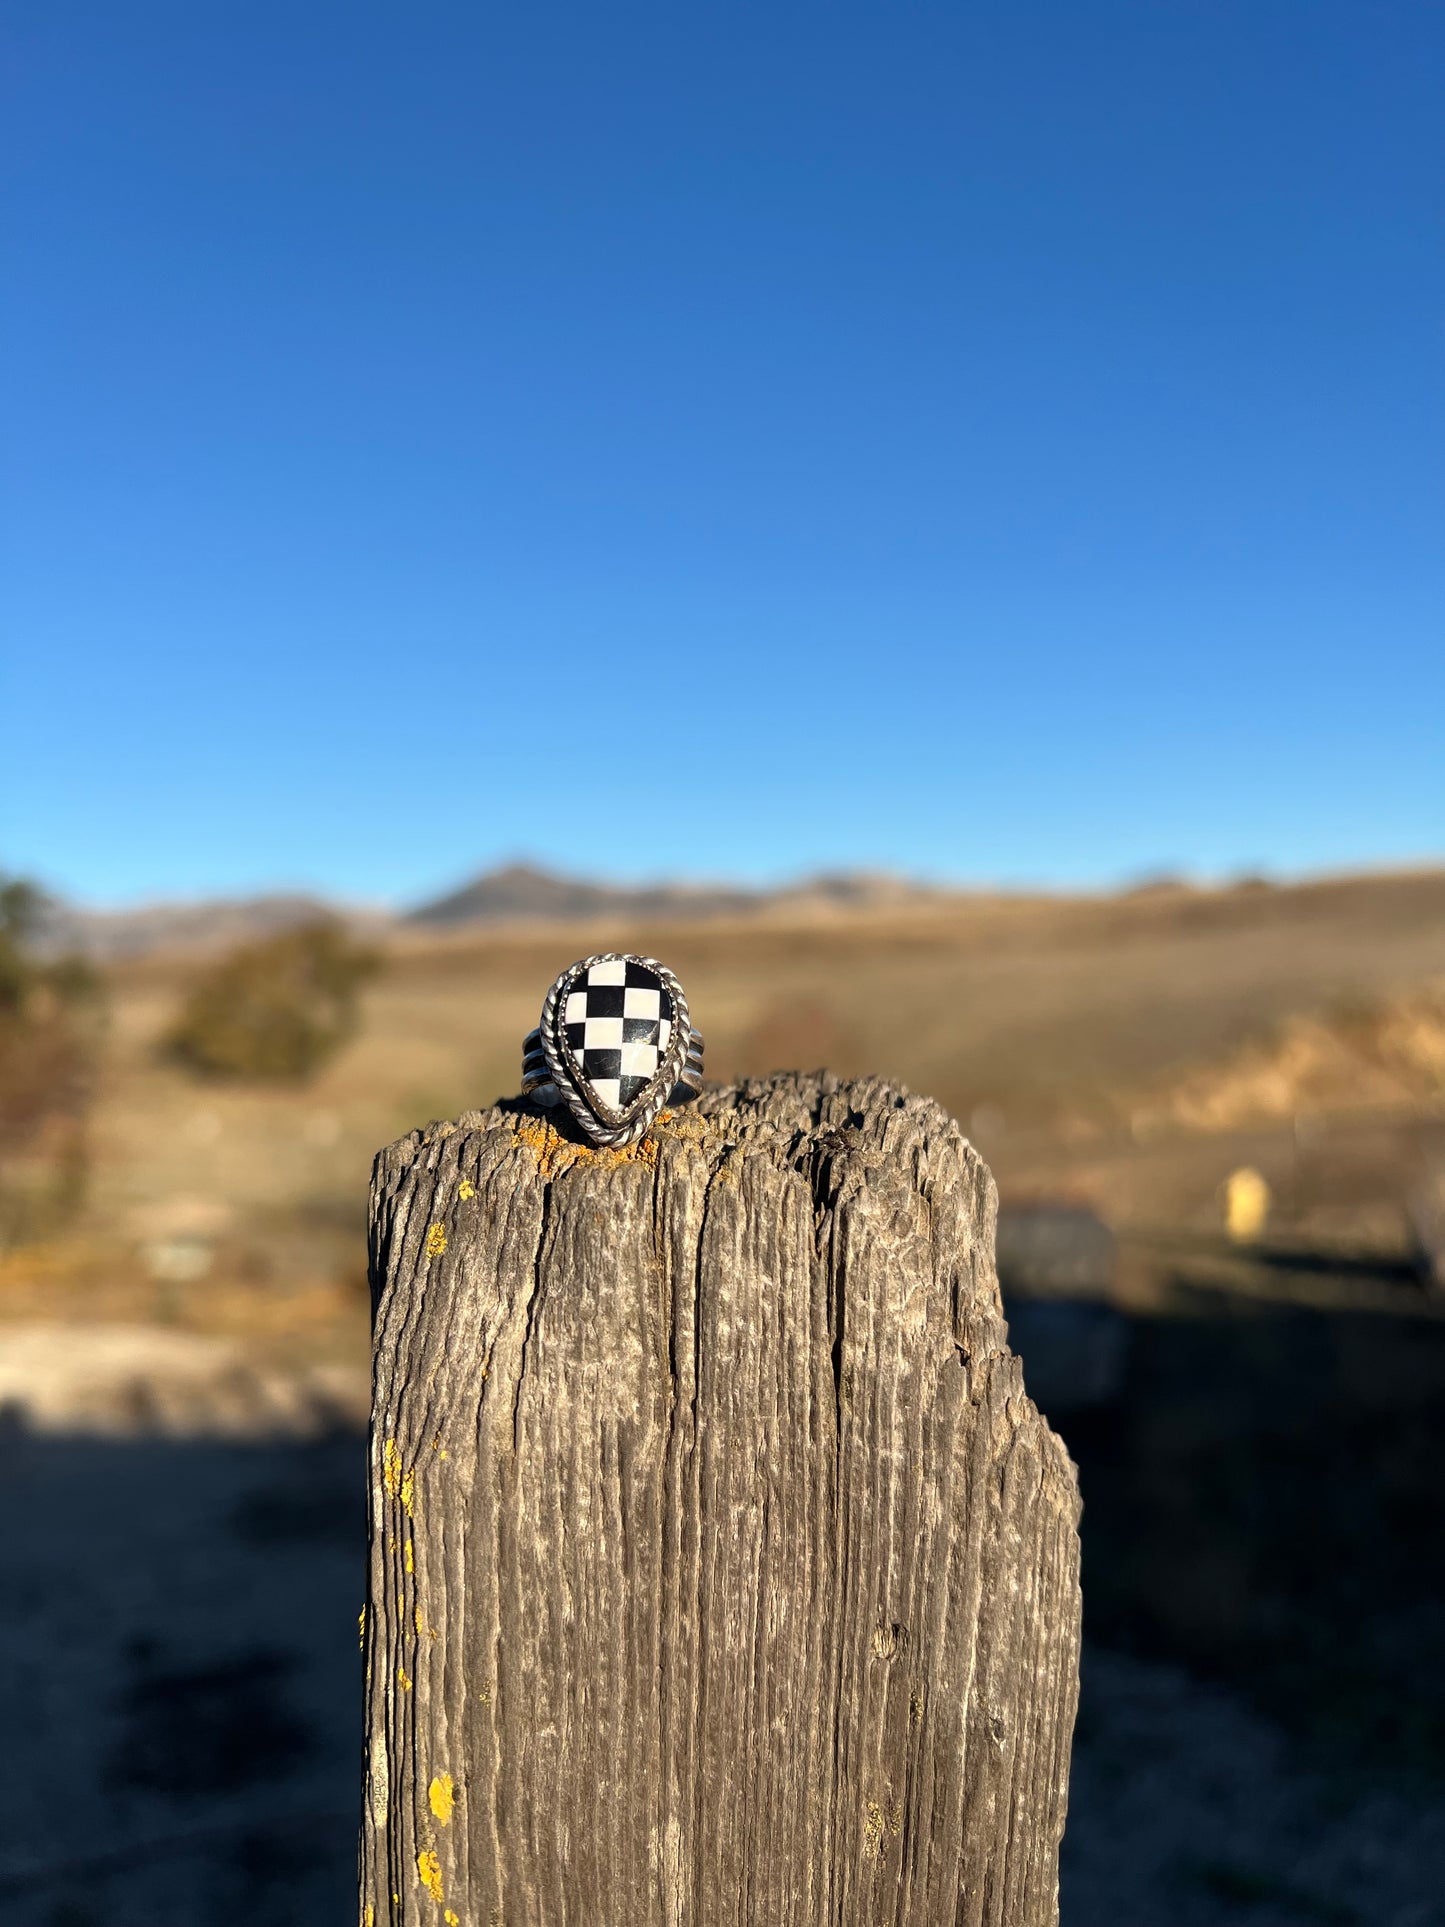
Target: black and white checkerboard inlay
column 618, row 1021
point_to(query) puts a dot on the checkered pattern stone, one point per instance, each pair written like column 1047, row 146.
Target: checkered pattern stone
column 618, row 1022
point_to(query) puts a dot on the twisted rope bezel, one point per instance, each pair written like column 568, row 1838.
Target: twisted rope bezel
column 628, row 1126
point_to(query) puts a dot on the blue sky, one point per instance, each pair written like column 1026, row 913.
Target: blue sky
column 998, row 442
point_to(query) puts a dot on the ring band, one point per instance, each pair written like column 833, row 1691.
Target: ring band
column 615, row 1044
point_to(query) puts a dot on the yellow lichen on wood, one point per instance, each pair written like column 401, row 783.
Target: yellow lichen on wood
column 403, row 1679
column 429, row 1872
column 877, row 1827
column 436, row 1240
column 873, row 1831
column 441, row 1795
column 466, row 1189
column 361, row 1625
column 409, row 1557
column 399, row 1479
column 451, row 1919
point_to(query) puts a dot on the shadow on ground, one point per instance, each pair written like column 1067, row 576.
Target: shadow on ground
column 1261, row 1736
column 1261, row 1739
column 180, row 1695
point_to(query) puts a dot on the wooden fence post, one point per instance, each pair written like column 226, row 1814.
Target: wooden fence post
column 720, row 1569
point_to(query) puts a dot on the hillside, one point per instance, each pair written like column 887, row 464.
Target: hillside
column 1088, row 1044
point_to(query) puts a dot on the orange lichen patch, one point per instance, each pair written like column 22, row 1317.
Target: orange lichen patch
column 429, row 1872
column 551, row 1150
column 436, row 1240
column 441, row 1796
column 643, row 1152
column 555, row 1154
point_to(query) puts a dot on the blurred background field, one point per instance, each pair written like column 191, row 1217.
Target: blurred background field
column 965, row 458
column 1128, row 1052
column 1217, row 1120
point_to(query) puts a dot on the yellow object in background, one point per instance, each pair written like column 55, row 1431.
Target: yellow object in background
column 1246, row 1204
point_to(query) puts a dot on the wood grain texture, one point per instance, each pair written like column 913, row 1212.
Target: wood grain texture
column 720, row 1569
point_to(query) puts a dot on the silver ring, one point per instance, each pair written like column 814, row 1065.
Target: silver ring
column 615, row 1044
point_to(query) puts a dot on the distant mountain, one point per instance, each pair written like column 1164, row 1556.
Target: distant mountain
column 521, row 893
column 518, row 893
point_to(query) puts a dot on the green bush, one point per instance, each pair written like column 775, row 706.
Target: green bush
column 275, row 1010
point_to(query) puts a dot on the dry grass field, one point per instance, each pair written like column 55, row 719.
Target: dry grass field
column 1079, row 1041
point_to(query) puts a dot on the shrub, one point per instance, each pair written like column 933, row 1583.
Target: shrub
column 50, row 1012
column 276, row 1010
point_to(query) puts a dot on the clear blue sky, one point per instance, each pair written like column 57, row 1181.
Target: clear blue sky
column 1001, row 442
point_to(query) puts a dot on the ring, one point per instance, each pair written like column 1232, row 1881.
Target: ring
column 614, row 1045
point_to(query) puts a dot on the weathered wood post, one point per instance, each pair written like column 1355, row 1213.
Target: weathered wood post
column 721, row 1570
